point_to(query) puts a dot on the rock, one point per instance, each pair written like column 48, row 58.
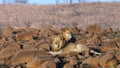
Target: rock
column 108, row 60
column 73, row 60
column 67, row 65
column 117, row 40
column 25, row 56
column 94, row 28
column 42, row 44
column 118, row 66
column 6, row 54
column 118, row 55
column 7, row 32
column 2, row 41
column 25, row 36
column 41, row 62
column 4, row 66
column 47, row 32
column 48, row 64
column 34, row 63
column 92, row 61
column 12, row 44
column 28, row 45
column 95, row 39
column 108, row 47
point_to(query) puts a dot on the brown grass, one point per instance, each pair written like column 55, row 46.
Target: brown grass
column 80, row 14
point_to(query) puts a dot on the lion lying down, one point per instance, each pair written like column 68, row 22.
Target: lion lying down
column 61, row 44
column 71, row 47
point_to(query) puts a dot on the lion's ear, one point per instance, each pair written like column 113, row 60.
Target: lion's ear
column 64, row 29
column 61, row 37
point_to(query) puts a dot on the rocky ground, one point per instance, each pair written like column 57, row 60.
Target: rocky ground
column 29, row 48
column 28, row 31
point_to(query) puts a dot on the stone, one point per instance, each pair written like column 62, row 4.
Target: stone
column 118, row 55
column 92, row 61
column 48, row 64
column 67, row 65
column 108, row 60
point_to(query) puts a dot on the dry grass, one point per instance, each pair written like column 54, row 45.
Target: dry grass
column 80, row 15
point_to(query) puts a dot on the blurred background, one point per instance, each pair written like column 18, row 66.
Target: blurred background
column 59, row 13
column 52, row 1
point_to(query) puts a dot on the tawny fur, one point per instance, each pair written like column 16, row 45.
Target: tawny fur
column 66, row 33
column 60, row 41
column 57, row 43
column 76, row 48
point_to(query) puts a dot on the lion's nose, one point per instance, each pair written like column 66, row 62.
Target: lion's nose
column 56, row 46
column 70, row 36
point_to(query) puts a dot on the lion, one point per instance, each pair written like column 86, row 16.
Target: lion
column 66, row 33
column 58, row 43
column 71, row 47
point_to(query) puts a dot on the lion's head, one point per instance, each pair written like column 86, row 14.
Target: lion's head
column 66, row 33
column 58, row 43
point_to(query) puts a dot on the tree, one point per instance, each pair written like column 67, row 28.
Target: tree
column 81, row 1
column 57, row 1
column 71, row 1
column 15, row 1
column 64, row 1
column 21, row 1
column 4, row 1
